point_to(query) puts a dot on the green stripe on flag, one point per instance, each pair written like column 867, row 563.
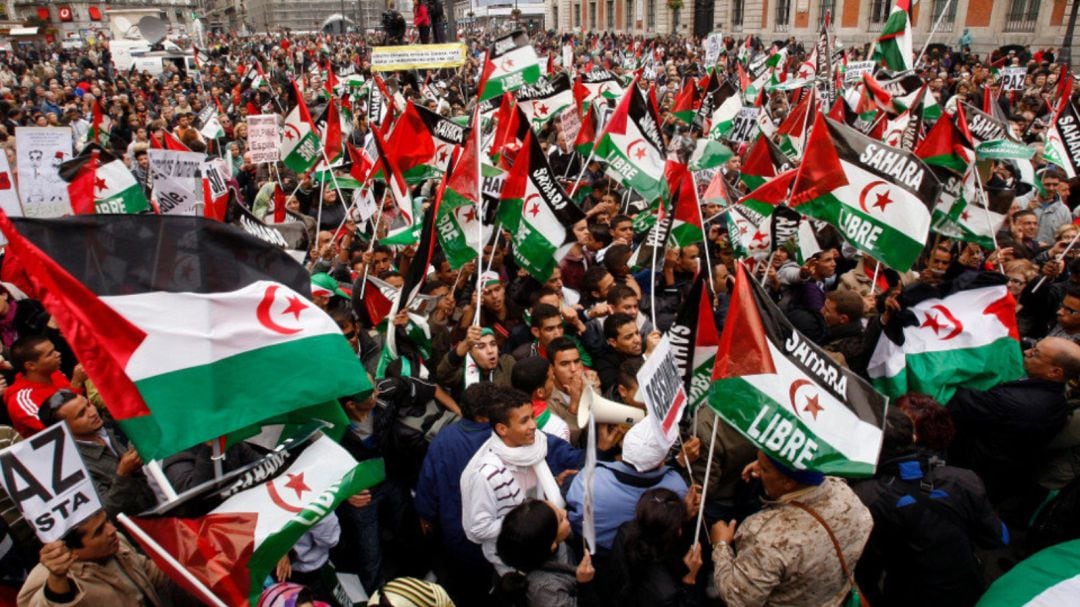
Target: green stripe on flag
column 938, row 374
column 891, row 246
column 166, row 394
column 767, row 423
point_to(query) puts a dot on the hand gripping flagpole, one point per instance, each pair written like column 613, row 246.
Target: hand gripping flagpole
column 705, row 483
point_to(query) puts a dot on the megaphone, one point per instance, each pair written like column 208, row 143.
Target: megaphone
column 604, row 410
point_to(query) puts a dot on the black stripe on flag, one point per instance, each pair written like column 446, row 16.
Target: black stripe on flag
column 443, row 129
column 129, row 254
column 896, row 166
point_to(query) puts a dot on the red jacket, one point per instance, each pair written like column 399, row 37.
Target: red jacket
column 24, row 397
column 420, row 15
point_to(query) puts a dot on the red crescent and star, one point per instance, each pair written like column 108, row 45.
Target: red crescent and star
column 881, row 201
column 813, row 403
column 264, row 310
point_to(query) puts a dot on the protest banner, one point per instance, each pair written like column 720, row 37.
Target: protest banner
column 417, row 56
column 264, row 138
column 48, row 482
column 663, row 391
column 177, row 180
column 39, row 153
column 713, row 45
column 570, row 123
column 1012, row 78
column 742, row 128
column 9, row 198
column 855, row 70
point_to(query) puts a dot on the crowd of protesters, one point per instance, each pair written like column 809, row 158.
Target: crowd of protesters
column 483, row 503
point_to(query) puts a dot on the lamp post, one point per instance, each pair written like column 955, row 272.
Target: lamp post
column 1066, row 47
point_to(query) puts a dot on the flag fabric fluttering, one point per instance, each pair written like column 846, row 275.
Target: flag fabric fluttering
column 300, row 146
column 511, row 63
column 879, row 197
column 98, row 182
column 966, row 337
column 1046, row 579
column 190, row 319
column 787, row 396
column 254, row 520
column 632, row 147
column 537, row 212
column 694, row 340
column 893, row 48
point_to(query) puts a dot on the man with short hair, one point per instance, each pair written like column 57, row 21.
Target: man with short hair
column 114, row 467
column 843, row 314
column 480, row 345
column 517, row 462
column 37, row 377
column 1001, row 432
column 1068, row 315
column 94, row 565
column 532, row 376
column 623, row 343
column 569, row 375
column 546, row 324
column 1051, row 211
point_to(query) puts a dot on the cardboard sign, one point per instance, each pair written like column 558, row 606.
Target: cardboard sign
column 417, row 56
column 39, row 153
column 856, row 70
column 48, row 482
column 1012, row 78
column 742, row 128
column 264, row 138
column 663, row 391
column 177, row 180
column 570, row 124
column 713, row 45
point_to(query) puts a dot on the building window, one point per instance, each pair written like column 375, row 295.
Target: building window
column 628, row 14
column 592, row 15
column 879, row 13
column 825, row 7
column 610, row 10
column 650, row 15
column 736, row 15
column 783, row 15
column 1022, row 16
column 577, row 16
column 950, row 15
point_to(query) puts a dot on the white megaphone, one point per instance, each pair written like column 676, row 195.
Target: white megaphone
column 605, row 411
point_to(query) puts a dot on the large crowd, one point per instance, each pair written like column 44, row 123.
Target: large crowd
column 483, row 499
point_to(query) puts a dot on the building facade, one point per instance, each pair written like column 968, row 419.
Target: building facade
column 308, row 15
column 992, row 23
column 81, row 19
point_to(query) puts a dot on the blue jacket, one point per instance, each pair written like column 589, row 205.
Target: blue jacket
column 617, row 487
column 438, row 494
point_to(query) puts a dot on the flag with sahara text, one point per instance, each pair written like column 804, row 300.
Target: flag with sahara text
column 787, row 396
column 878, row 196
column 189, row 327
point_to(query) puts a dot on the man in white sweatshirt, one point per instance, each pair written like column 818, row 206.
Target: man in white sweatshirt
column 517, row 462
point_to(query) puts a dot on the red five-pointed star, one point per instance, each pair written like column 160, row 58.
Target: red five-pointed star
column 295, row 307
column 640, row 153
column 883, row 200
column 470, row 215
column 288, row 135
column 99, row 184
column 759, row 236
column 932, row 322
column 297, row 484
column 535, row 210
column 813, row 406
column 542, row 109
column 964, row 216
column 442, row 155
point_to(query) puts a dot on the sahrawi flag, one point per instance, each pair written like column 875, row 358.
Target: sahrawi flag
column 300, row 139
column 1050, row 578
column 694, row 340
column 253, row 519
column 98, row 182
column 537, row 212
column 546, row 99
column 893, row 49
column 878, row 196
column 458, row 223
column 192, row 330
column 966, row 337
column 789, row 397
column 511, row 64
column 632, row 148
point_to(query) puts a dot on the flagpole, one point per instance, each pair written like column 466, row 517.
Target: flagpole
column 480, row 217
column 1058, row 257
column 933, row 31
column 652, row 287
column 705, row 482
column 768, row 264
column 147, row 541
column 989, row 223
column 371, row 244
column 318, row 215
column 584, row 168
column 873, row 281
column 705, row 247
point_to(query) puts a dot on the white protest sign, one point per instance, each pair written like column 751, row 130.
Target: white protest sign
column 856, row 69
column 364, row 205
column 588, row 517
column 765, row 123
column 48, row 482
column 417, row 56
column 264, row 139
column 663, row 391
column 713, row 45
column 39, row 153
column 567, row 57
column 570, row 124
column 177, row 180
column 217, row 175
column 742, row 128
column 1012, row 78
